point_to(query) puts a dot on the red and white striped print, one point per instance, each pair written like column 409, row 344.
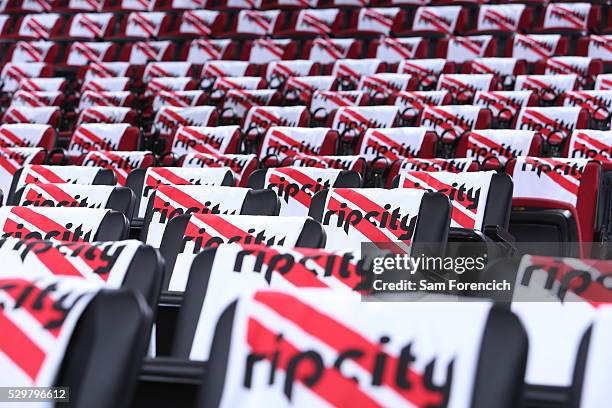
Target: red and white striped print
column 354, row 216
column 591, row 144
column 38, row 173
column 34, row 339
column 392, row 143
column 156, row 176
column 288, row 141
column 11, row 160
column 206, row 230
column 173, row 200
column 169, row 118
column 437, row 19
column 121, row 163
column 559, row 177
column 238, row 269
column 22, row 134
column 318, row 21
column 468, row 193
column 567, row 15
column 96, row 136
column 51, row 223
column 295, row 186
column 503, row 144
column 327, row 323
column 31, row 51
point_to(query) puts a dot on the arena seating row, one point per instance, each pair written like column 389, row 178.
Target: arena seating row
column 192, row 189
column 456, row 49
column 366, row 21
column 575, row 376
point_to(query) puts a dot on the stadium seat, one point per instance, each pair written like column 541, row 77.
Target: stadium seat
column 452, row 121
column 144, row 182
column 328, row 50
column 27, row 135
column 187, row 235
column 481, row 204
column 594, row 46
column 83, row 53
column 39, row 26
column 259, row 119
column 426, row 71
column 90, row 26
column 463, row 87
column 279, row 72
column 413, row 209
column 323, row 104
column 313, row 22
column 200, row 23
column 208, row 274
column 503, row 18
column 63, row 223
column 89, row 358
column 170, row 201
column 13, row 72
column 121, row 163
column 60, row 174
column 263, row 50
column 554, row 124
column 351, row 121
column 568, row 212
column 392, row 51
column 552, row 310
column 570, row 17
column 295, row 186
column 37, row 98
column 278, row 143
column 14, row 158
column 121, row 264
column 439, row 20
column 586, row 69
column 492, row 148
column 504, row 69
column 169, row 118
column 504, row 106
column 102, row 136
column 500, row 329
column 380, row 87
column 597, row 103
column 241, row 165
column 411, row 103
column 533, row 47
column 43, row 115
column 460, row 49
column 430, row 165
column 203, row 49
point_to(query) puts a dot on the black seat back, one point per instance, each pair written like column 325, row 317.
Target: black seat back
column 106, row 350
